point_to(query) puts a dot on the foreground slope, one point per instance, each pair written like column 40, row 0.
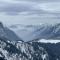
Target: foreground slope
column 51, row 46
column 19, row 50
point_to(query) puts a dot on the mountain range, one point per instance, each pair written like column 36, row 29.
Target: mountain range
column 42, row 31
column 43, row 43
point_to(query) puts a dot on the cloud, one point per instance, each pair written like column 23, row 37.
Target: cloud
column 40, row 0
column 29, row 7
column 15, row 7
column 29, row 11
column 51, row 7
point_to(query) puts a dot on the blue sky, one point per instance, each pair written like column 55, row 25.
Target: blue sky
column 29, row 11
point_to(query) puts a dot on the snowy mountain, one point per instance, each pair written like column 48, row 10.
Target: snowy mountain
column 7, row 33
column 13, row 50
column 21, row 51
column 44, row 42
column 32, row 32
column 34, row 50
column 23, row 31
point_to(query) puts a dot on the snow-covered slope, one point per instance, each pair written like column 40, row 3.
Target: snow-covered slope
column 13, row 50
column 21, row 51
column 42, row 31
column 7, row 33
